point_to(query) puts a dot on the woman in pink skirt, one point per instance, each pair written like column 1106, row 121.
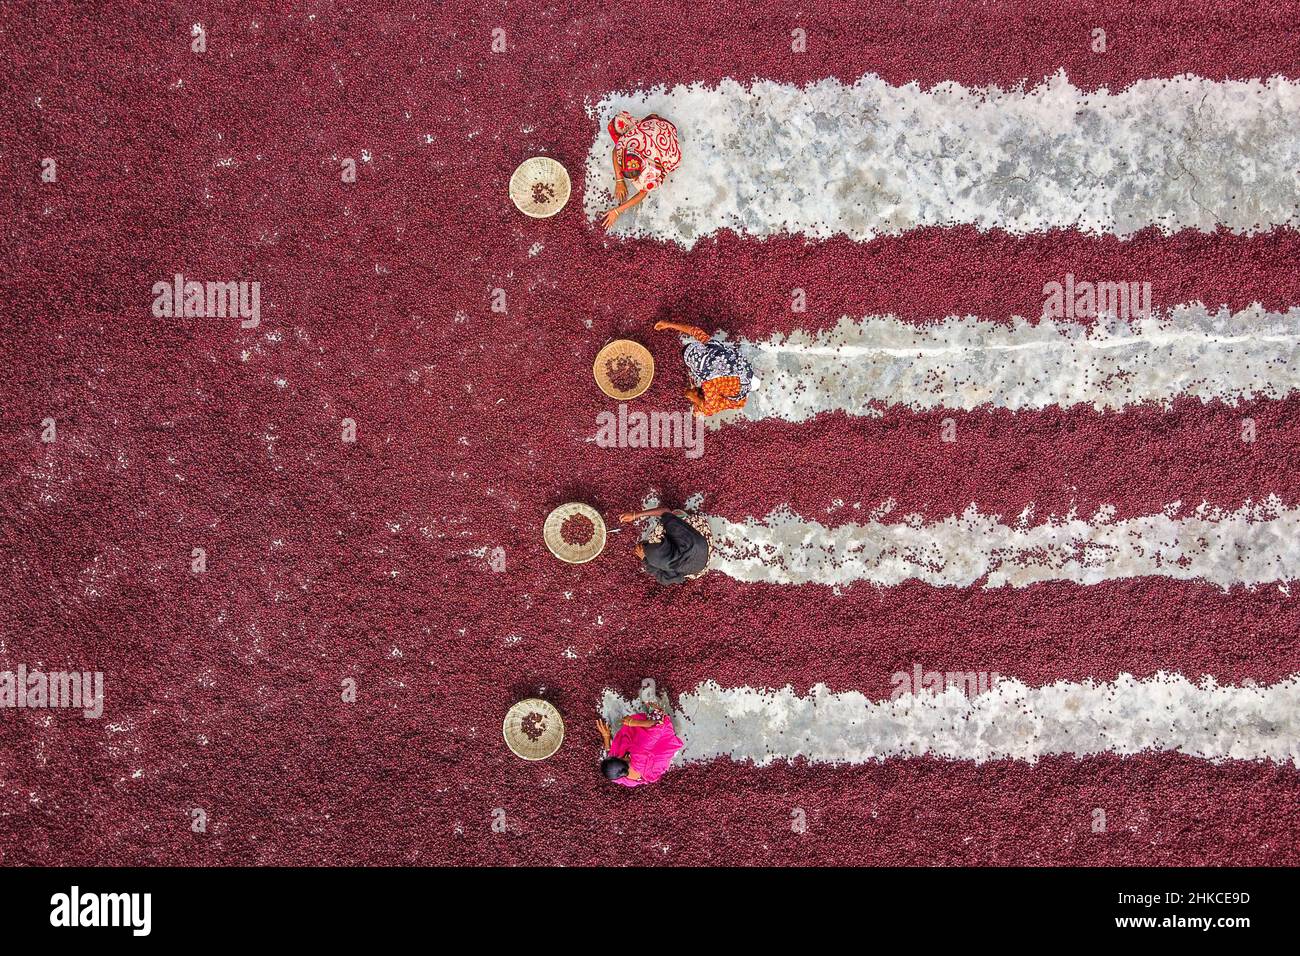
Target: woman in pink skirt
column 645, row 151
column 641, row 750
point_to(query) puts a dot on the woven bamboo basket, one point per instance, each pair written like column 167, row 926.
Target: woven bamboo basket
column 540, row 187
column 623, row 350
column 574, row 553
column 533, row 729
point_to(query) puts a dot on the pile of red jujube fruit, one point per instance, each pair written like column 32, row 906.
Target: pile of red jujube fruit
column 533, row 725
column 624, row 372
column 577, row 530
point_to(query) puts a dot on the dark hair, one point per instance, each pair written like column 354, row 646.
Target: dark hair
column 613, row 768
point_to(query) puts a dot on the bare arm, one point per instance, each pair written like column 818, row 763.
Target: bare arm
column 620, row 187
column 617, row 211
column 631, row 516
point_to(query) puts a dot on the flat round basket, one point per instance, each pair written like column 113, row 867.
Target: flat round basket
column 533, row 729
column 624, row 369
column 540, row 187
column 574, row 550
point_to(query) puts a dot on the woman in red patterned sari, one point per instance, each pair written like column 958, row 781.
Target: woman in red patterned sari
column 645, row 151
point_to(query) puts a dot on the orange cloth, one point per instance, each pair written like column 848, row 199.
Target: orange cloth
column 718, row 395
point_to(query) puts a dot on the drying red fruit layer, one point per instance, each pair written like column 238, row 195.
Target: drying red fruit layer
column 375, row 561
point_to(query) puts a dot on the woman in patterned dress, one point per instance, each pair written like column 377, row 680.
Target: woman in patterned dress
column 677, row 547
column 719, row 370
column 645, row 151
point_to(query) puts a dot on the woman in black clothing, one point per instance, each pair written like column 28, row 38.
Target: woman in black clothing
column 677, row 548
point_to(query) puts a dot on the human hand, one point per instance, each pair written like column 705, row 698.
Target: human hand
column 611, row 217
column 620, row 190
